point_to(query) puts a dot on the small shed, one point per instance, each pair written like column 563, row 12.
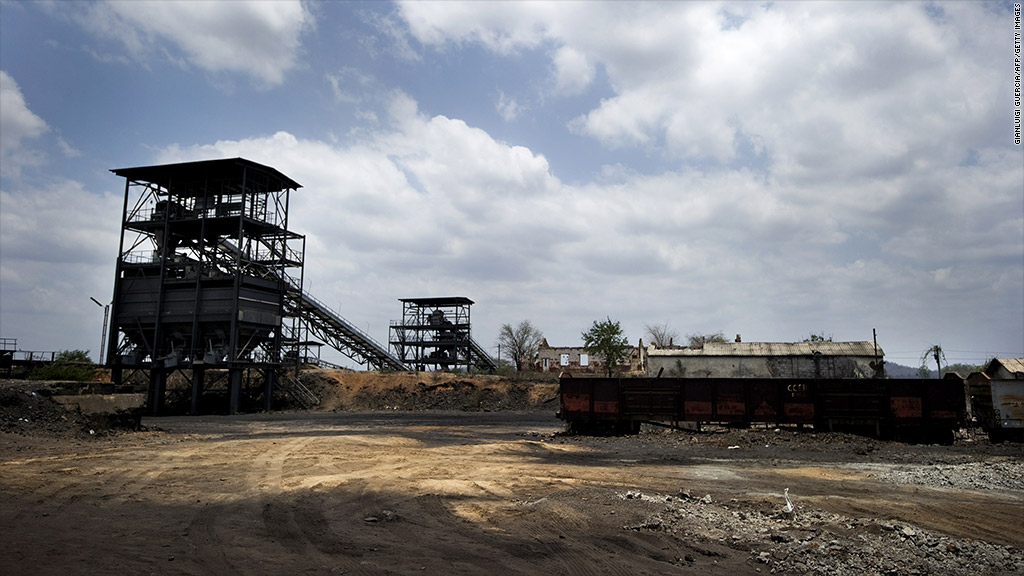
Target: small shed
column 997, row 398
column 1005, row 369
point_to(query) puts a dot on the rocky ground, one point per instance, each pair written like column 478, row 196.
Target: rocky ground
column 790, row 535
column 809, row 541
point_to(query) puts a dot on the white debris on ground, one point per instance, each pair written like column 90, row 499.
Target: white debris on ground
column 813, row 541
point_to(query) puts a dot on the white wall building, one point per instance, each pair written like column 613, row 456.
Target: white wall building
column 766, row 360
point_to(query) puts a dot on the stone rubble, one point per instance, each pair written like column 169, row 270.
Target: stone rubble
column 811, row 541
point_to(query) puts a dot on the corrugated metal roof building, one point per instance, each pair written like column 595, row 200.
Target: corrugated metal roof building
column 1006, row 369
column 767, row 360
column 996, row 398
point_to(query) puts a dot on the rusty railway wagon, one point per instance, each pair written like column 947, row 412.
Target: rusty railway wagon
column 912, row 410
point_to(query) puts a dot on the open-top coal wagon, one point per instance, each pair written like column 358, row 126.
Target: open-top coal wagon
column 916, row 410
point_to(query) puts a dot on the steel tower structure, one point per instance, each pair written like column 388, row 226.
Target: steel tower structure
column 436, row 332
column 207, row 276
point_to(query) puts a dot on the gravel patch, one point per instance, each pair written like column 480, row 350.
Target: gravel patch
column 806, row 540
column 1007, row 475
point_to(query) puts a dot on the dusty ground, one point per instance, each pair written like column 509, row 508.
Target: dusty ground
column 398, row 491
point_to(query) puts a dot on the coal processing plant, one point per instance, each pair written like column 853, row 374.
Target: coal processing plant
column 209, row 283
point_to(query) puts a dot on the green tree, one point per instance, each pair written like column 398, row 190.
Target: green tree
column 937, row 354
column 699, row 340
column 519, row 343
column 819, row 338
column 73, row 356
column 661, row 335
column 964, row 369
column 73, row 365
column 607, row 340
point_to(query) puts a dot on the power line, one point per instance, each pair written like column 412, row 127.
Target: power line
column 961, row 352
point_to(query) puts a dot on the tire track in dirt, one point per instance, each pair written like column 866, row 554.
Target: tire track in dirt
column 207, row 548
column 545, row 535
column 241, row 502
column 561, row 536
column 294, row 515
column 383, row 512
column 565, row 524
column 542, row 530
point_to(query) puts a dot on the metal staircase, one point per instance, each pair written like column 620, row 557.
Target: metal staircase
column 479, row 357
column 326, row 324
column 297, row 390
column 339, row 333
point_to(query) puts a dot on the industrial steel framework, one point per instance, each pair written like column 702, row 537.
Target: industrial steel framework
column 206, row 278
column 435, row 332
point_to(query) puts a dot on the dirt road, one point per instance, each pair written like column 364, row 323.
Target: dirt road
column 500, row 493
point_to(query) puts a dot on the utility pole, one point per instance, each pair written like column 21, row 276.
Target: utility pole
column 103, row 338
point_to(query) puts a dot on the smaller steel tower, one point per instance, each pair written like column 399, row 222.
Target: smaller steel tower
column 433, row 332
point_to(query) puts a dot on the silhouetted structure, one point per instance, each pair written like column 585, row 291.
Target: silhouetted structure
column 435, row 332
column 205, row 268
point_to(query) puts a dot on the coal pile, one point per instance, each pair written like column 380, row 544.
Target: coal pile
column 458, row 395
column 28, row 408
column 418, row 392
column 65, row 410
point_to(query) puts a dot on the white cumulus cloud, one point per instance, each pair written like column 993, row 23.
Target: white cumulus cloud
column 825, row 89
column 17, row 124
column 258, row 39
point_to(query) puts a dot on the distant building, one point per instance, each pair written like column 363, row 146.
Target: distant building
column 1005, row 369
column 996, row 398
column 575, row 359
column 766, row 360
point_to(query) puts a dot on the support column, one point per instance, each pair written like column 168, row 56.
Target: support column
column 198, row 378
column 157, row 387
column 268, row 390
column 234, row 390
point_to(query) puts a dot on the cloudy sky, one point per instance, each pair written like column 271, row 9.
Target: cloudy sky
column 772, row 170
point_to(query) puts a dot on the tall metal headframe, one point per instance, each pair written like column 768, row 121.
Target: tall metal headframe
column 206, row 272
column 433, row 332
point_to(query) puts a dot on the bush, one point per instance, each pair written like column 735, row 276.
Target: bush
column 73, row 365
